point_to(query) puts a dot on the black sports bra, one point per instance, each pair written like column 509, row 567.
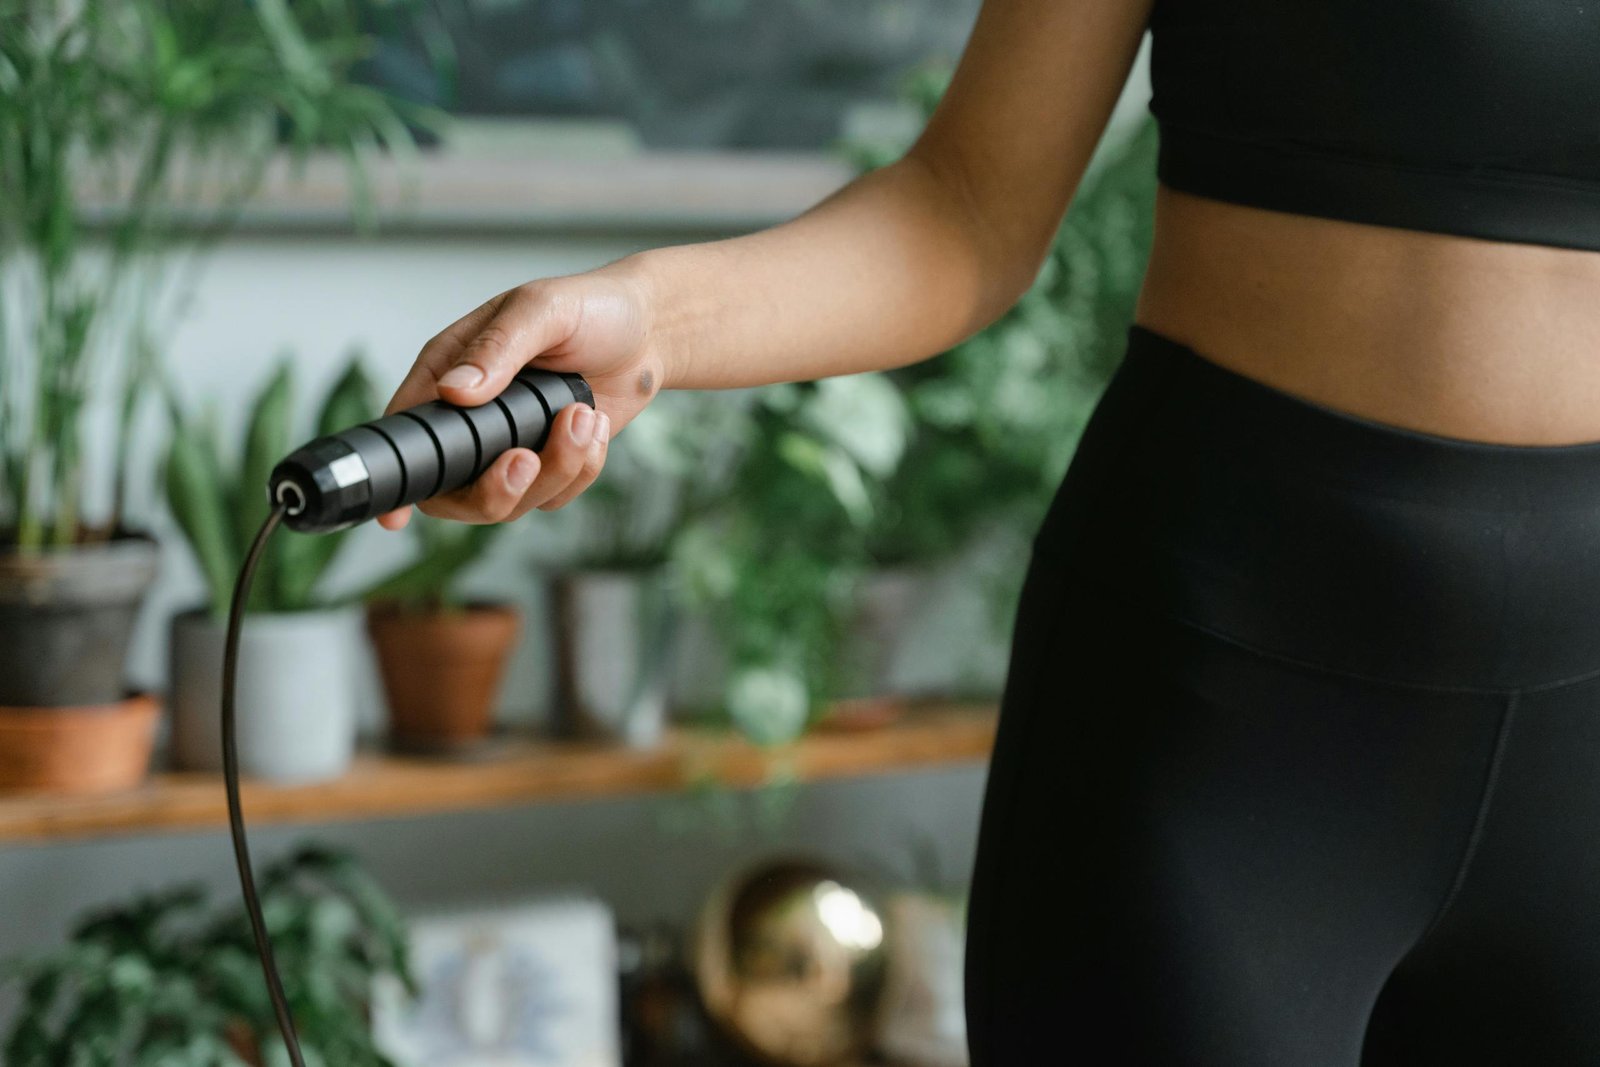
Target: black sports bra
column 1472, row 117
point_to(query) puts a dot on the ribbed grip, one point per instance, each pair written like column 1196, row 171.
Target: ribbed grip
column 360, row 473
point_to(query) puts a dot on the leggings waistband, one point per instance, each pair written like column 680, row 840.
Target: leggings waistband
column 1322, row 537
column 1289, row 432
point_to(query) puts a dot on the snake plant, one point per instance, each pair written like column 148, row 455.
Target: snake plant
column 219, row 504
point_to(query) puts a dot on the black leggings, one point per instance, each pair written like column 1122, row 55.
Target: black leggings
column 1299, row 755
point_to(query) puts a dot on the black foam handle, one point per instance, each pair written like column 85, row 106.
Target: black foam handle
column 360, row 473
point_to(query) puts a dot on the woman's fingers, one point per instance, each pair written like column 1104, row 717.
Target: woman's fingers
column 494, row 496
column 396, row 519
column 594, row 459
column 567, row 452
column 520, row 480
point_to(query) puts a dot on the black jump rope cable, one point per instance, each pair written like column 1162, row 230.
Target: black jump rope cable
column 348, row 477
column 230, row 781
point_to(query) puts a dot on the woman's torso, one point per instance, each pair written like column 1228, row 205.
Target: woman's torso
column 1461, row 141
column 1456, row 336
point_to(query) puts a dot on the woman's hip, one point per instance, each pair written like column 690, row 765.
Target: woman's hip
column 1329, row 539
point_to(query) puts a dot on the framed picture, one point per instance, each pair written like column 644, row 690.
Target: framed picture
column 533, row 985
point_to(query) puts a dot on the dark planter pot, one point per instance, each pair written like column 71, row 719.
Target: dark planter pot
column 65, row 619
column 441, row 672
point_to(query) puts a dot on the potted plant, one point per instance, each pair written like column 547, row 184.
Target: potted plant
column 441, row 656
column 776, row 560
column 616, row 610
column 166, row 979
column 111, row 117
column 297, row 652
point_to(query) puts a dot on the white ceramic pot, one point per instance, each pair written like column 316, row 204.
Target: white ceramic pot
column 297, row 706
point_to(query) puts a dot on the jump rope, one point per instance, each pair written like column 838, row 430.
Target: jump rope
column 349, row 477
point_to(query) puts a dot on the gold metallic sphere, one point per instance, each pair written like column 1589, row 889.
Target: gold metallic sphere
column 790, row 963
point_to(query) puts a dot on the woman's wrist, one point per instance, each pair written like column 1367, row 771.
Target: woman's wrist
column 660, row 328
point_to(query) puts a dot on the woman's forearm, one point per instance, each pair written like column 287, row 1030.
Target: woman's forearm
column 889, row 270
column 895, row 267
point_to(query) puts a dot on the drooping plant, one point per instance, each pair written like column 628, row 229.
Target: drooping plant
column 219, row 496
column 131, row 132
column 167, row 980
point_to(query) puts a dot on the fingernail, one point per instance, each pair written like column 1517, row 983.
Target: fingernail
column 583, row 425
column 520, row 476
column 604, row 432
column 462, row 376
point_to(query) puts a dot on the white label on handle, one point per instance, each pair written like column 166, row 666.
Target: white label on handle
column 348, row 470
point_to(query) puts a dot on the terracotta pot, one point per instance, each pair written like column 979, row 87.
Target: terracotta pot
column 441, row 671
column 97, row 748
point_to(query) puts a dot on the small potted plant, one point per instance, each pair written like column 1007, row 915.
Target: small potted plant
column 441, row 656
column 166, row 979
column 297, row 654
column 615, row 605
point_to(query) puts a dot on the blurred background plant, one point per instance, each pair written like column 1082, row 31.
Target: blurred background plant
column 219, row 505
column 430, row 582
column 131, row 132
column 844, row 478
column 998, row 417
column 166, row 979
column 775, row 563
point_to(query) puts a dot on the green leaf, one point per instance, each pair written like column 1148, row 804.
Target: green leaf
column 352, row 400
column 199, row 503
column 266, row 442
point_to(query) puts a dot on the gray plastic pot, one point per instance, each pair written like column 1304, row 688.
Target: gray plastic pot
column 65, row 619
column 613, row 632
column 297, row 707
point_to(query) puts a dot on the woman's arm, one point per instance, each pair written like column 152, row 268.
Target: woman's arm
column 908, row 260
column 895, row 267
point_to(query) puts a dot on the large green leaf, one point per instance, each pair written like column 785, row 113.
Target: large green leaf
column 266, row 442
column 198, row 499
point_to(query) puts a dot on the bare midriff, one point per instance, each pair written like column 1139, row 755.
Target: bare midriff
column 1461, row 337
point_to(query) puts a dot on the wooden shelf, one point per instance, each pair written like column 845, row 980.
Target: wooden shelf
column 652, row 192
column 523, row 771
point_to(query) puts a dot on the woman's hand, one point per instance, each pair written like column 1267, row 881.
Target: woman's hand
column 597, row 324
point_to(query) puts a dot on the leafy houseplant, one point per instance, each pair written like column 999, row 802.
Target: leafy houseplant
column 777, row 561
column 441, row 656
column 297, row 714
column 166, row 980
column 115, row 120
